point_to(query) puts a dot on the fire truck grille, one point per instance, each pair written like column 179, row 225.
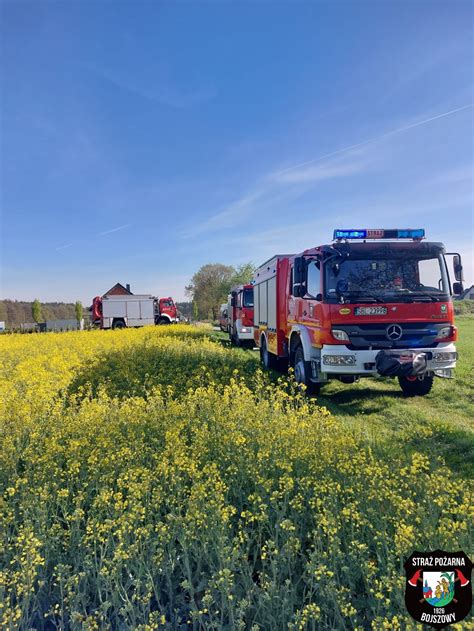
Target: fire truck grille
column 392, row 335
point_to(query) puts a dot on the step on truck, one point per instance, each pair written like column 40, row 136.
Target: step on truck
column 373, row 303
column 240, row 315
column 120, row 311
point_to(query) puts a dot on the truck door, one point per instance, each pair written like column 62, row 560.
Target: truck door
column 291, row 306
column 311, row 305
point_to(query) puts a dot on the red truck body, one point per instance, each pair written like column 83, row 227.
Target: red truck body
column 358, row 308
column 240, row 315
column 166, row 311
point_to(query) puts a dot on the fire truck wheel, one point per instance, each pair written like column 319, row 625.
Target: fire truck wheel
column 163, row 321
column 269, row 360
column 234, row 338
column 303, row 371
column 118, row 324
column 415, row 387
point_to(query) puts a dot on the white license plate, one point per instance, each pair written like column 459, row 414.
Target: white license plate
column 370, row 311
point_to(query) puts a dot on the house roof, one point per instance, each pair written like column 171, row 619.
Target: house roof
column 121, row 288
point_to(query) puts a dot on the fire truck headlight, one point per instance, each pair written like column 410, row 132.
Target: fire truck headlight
column 446, row 331
column 245, row 329
column 440, row 357
column 340, row 335
column 339, row 360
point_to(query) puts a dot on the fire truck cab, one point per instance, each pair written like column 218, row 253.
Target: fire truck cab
column 240, row 315
column 371, row 303
column 165, row 311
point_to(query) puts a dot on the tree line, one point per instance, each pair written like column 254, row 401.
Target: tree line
column 211, row 284
column 16, row 312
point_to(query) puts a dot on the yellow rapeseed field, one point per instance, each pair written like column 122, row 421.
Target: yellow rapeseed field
column 154, row 479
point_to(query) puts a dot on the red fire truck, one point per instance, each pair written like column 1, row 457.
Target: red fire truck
column 120, row 311
column 371, row 303
column 240, row 315
column 223, row 319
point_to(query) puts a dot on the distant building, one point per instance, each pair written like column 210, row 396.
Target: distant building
column 467, row 294
column 119, row 290
column 28, row 326
column 64, row 325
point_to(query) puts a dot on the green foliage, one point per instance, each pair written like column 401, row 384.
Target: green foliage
column 211, row 284
column 242, row 276
column 207, row 288
column 78, row 310
column 36, row 310
column 185, row 309
column 464, row 307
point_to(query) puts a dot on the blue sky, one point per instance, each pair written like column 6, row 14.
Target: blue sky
column 141, row 140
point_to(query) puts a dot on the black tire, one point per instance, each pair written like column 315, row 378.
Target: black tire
column 268, row 359
column 303, row 371
column 118, row 324
column 234, row 338
column 417, row 387
column 163, row 321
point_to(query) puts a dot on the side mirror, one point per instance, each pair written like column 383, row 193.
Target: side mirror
column 299, row 291
column 233, row 299
column 299, row 277
column 458, row 289
column 457, row 265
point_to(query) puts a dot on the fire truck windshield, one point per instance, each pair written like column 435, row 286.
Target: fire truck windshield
column 248, row 297
column 399, row 278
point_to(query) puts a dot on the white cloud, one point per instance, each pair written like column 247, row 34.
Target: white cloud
column 292, row 182
column 354, row 163
column 282, row 186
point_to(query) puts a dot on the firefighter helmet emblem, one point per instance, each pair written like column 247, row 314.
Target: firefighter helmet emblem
column 438, row 588
column 393, row 332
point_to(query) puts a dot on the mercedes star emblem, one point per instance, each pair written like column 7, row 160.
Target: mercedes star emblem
column 393, row 332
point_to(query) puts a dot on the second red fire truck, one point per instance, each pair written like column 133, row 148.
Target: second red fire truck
column 372, row 303
column 240, row 315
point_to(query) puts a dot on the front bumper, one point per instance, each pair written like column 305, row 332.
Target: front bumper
column 245, row 333
column 362, row 362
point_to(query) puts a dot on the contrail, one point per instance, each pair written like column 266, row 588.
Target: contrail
column 101, row 234
column 63, row 247
column 376, row 138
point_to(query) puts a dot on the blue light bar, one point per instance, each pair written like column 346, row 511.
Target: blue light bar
column 381, row 233
column 412, row 234
column 350, row 234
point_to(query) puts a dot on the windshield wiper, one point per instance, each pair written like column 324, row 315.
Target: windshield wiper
column 416, row 296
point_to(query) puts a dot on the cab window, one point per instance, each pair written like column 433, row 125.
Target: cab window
column 313, row 284
column 248, row 297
